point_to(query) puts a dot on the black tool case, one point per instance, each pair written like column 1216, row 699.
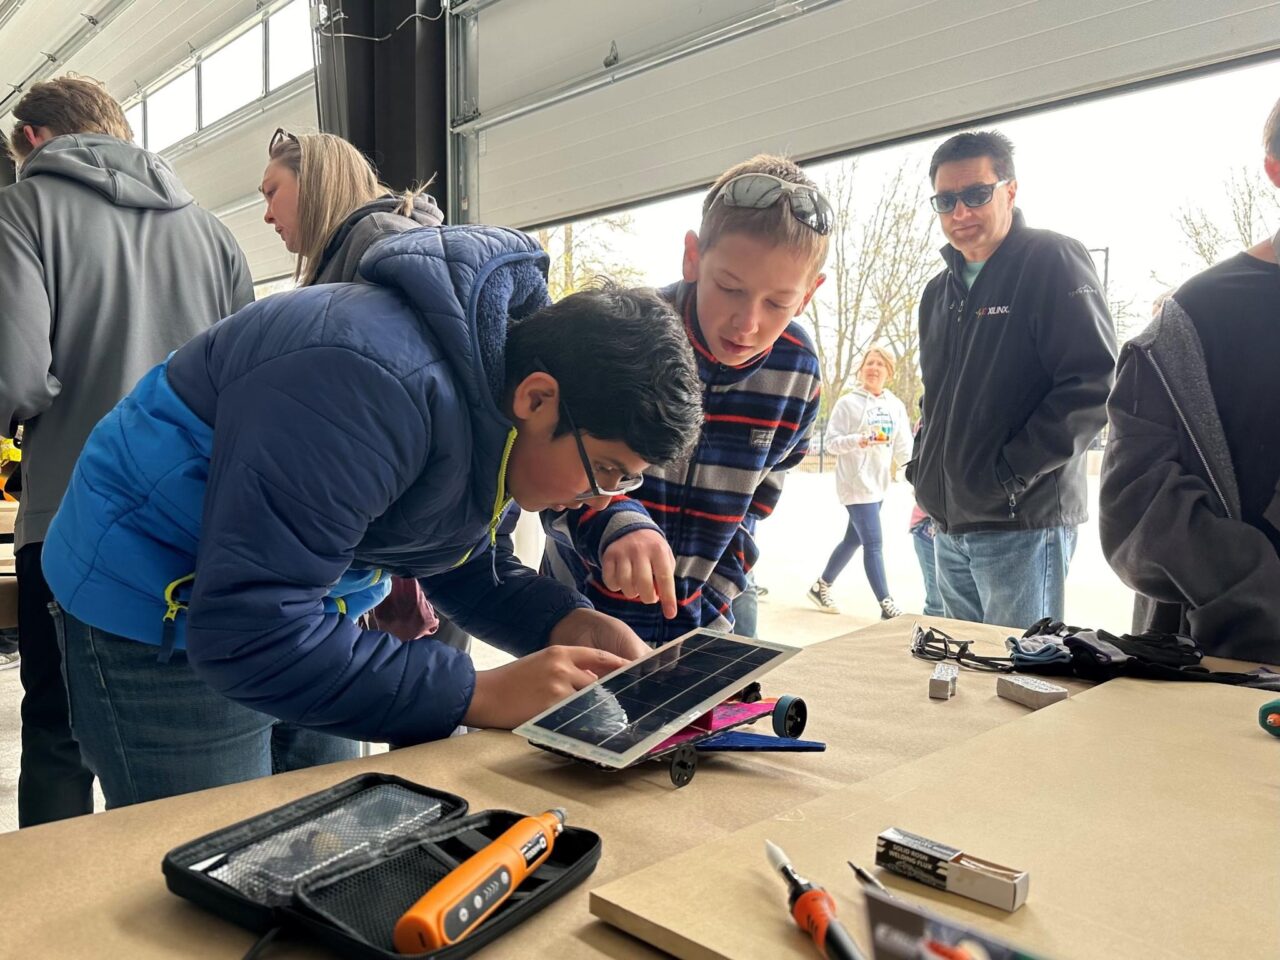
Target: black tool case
column 340, row 866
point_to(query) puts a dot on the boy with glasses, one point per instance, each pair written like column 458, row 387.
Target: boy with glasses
column 442, row 387
column 1017, row 351
column 676, row 552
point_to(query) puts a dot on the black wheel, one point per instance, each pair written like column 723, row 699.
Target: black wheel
column 789, row 717
column 750, row 693
column 684, row 764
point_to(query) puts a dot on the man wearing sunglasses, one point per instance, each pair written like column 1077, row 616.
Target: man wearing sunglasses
column 677, row 552
column 1017, row 351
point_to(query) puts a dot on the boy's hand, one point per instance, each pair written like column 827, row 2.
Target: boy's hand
column 591, row 628
column 509, row 695
column 641, row 565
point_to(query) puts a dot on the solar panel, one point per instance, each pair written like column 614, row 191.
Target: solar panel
column 624, row 715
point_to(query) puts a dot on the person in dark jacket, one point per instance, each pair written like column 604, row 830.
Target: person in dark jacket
column 281, row 465
column 328, row 207
column 1190, row 506
column 1017, row 351
column 108, row 265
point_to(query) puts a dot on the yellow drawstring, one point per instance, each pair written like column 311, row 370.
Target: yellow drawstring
column 175, row 605
column 500, row 498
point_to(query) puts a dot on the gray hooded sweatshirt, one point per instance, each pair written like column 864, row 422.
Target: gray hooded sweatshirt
column 106, row 266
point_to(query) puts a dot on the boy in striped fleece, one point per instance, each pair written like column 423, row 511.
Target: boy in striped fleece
column 674, row 553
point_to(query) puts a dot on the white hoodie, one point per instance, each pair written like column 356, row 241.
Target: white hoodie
column 862, row 473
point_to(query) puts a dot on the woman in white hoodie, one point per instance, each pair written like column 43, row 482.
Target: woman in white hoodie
column 868, row 431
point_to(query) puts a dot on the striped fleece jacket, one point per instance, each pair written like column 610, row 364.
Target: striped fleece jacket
column 757, row 421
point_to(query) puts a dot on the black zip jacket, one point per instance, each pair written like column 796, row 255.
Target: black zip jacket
column 1016, row 375
column 1170, row 522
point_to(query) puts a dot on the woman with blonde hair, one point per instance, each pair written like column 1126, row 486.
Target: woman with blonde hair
column 325, row 202
column 327, row 205
column 869, row 432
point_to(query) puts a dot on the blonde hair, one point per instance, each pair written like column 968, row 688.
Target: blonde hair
column 884, row 355
column 334, row 180
column 66, row 105
column 774, row 224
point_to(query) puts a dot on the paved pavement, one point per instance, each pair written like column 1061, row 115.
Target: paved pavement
column 794, row 543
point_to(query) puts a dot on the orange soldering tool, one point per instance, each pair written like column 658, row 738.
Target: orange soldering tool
column 455, row 906
column 813, row 910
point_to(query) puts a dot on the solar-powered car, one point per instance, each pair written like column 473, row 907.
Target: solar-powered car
column 684, row 697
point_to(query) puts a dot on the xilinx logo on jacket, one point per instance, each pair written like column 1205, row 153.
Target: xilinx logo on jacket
column 993, row 311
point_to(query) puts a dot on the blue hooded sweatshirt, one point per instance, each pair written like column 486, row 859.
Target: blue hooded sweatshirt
column 246, row 500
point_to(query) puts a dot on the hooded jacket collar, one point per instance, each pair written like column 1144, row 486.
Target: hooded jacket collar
column 495, row 276
column 342, row 245
column 125, row 174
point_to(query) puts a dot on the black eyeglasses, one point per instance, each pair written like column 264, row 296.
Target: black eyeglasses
column 759, row 191
column 626, row 482
column 279, row 137
column 978, row 195
column 930, row 643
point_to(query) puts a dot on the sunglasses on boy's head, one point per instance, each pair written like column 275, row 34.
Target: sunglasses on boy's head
column 626, row 482
column 279, row 137
column 978, row 195
column 759, row 191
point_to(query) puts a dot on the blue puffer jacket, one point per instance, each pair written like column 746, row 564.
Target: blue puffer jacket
column 271, row 469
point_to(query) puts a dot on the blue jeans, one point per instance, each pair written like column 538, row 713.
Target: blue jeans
column 863, row 531
column 150, row 730
column 922, row 539
column 746, row 612
column 1007, row 577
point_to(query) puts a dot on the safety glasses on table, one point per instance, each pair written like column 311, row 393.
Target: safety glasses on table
column 930, row 643
column 978, row 195
column 759, row 191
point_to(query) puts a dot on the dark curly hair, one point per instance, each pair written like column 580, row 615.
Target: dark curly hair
column 624, row 364
column 970, row 146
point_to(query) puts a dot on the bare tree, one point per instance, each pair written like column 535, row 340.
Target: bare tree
column 904, row 262
column 583, row 251
column 1128, row 319
column 839, row 315
column 1251, row 203
column 877, row 269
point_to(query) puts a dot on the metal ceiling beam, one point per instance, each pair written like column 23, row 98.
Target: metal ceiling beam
column 92, row 24
column 7, row 9
column 616, row 69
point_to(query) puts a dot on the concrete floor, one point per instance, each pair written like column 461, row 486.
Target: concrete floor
column 794, row 546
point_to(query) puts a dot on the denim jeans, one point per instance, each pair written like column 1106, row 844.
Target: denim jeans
column 863, row 531
column 922, row 539
column 151, row 730
column 746, row 609
column 1007, row 577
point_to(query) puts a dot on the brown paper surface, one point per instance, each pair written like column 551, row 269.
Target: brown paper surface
column 1146, row 814
column 867, row 698
column 92, row 887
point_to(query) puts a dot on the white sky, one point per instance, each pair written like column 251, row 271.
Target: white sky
column 1111, row 173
